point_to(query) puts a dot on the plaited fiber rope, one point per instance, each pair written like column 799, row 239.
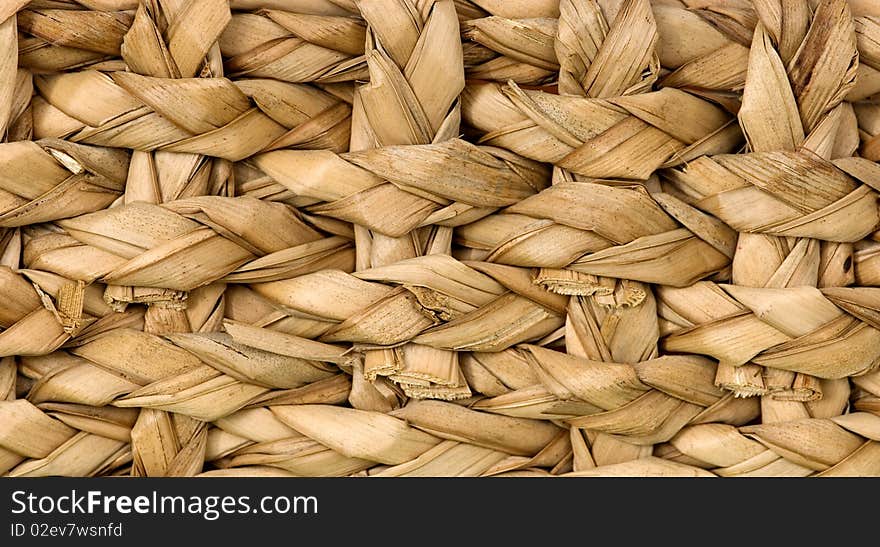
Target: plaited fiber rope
column 439, row 238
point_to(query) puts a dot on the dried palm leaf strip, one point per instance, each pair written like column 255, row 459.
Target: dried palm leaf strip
column 408, row 47
column 601, row 230
column 707, row 46
column 170, row 244
column 403, row 105
column 317, row 119
column 65, row 39
column 516, row 20
column 794, row 329
column 208, row 116
column 617, row 323
column 714, row 48
column 158, row 226
column 640, row 404
column 867, row 34
column 34, row 443
column 703, row 45
column 513, row 9
column 840, row 446
column 167, row 445
column 52, row 179
column 715, row 55
column 623, row 137
column 373, row 314
column 423, row 179
column 520, row 50
column 606, row 58
column 173, row 379
column 761, row 117
column 720, row 71
column 586, row 43
column 286, row 44
column 8, row 66
column 171, row 41
column 173, row 246
column 31, row 323
column 381, row 438
column 755, row 193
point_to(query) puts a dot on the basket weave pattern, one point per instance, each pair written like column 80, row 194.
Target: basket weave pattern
column 439, row 238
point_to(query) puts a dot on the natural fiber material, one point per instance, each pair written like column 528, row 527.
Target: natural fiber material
column 440, row 238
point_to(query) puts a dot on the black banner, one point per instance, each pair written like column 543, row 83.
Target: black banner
column 66, row 511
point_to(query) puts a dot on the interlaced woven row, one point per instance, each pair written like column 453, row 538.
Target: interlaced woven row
column 439, row 238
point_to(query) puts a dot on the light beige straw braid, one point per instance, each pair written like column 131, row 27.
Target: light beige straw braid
column 168, row 41
column 617, row 323
column 286, row 44
column 69, row 39
column 597, row 137
column 795, row 329
column 558, row 129
column 523, row 48
column 603, row 229
column 29, row 327
column 162, row 443
column 167, row 443
column 830, row 446
column 51, row 179
column 174, row 41
column 323, row 440
column 62, row 439
column 180, row 245
column 312, row 118
column 210, row 377
column 379, row 238
column 423, row 179
column 604, row 57
column 400, row 107
column 796, row 262
column 780, row 114
column 160, row 106
column 624, row 409
column 838, row 193
column 15, row 83
column 208, row 116
column 205, row 376
column 607, row 320
column 509, row 40
column 471, row 313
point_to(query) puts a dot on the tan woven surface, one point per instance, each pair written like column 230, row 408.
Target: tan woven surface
column 439, row 238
